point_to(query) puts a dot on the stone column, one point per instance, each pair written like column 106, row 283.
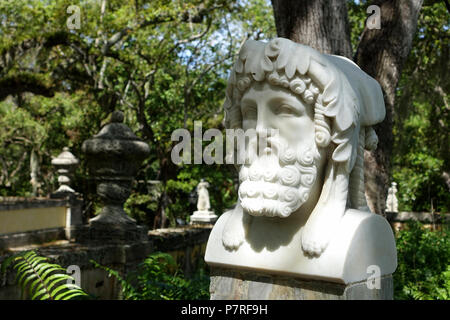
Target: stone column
column 113, row 158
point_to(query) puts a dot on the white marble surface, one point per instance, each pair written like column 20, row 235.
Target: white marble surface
column 301, row 207
column 361, row 239
column 203, row 217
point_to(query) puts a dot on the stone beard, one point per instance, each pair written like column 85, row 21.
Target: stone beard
column 278, row 180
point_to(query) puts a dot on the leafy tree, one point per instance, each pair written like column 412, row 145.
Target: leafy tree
column 421, row 146
column 410, row 67
column 325, row 26
column 423, row 270
column 164, row 63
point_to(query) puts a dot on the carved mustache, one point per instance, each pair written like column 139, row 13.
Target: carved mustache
column 259, row 146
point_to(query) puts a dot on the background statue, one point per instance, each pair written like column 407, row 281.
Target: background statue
column 391, row 201
column 203, row 196
column 204, row 214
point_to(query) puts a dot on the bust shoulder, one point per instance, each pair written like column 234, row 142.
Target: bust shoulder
column 362, row 240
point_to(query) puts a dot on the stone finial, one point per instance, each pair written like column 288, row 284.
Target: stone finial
column 392, row 201
column 203, row 213
column 65, row 163
column 113, row 158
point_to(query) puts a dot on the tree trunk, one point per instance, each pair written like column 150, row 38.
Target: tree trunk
column 320, row 24
column 381, row 53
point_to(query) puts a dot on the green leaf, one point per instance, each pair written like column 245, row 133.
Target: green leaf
column 40, row 292
column 36, row 285
column 23, row 275
column 52, row 280
column 68, row 292
column 76, row 294
column 29, row 278
column 44, row 297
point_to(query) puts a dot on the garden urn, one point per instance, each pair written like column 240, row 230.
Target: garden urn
column 113, row 158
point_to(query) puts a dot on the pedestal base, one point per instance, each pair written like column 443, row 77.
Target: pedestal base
column 203, row 217
column 229, row 284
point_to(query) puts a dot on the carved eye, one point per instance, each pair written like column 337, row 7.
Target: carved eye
column 285, row 109
column 249, row 112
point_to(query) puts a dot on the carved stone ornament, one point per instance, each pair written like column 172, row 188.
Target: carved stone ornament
column 113, row 157
column 65, row 164
column 301, row 209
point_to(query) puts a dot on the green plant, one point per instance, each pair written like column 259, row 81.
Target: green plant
column 423, row 271
column 40, row 279
column 159, row 278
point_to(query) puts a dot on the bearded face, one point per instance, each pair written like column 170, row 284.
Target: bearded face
column 281, row 160
column 279, row 180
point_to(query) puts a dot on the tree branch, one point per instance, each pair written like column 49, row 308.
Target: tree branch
column 25, row 82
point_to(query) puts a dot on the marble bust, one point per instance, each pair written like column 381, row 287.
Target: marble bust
column 302, row 209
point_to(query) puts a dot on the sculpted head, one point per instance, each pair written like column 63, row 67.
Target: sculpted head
column 309, row 116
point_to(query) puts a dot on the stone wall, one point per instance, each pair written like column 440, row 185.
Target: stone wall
column 26, row 221
column 186, row 244
column 398, row 220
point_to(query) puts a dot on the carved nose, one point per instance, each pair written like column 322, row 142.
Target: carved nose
column 265, row 131
column 261, row 124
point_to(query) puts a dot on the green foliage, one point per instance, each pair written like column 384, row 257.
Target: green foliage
column 159, row 278
column 423, row 270
column 183, row 189
column 357, row 16
column 42, row 280
column 421, row 153
column 164, row 63
column 141, row 206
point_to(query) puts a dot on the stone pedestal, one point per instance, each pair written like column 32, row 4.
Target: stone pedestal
column 227, row 284
column 203, row 217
